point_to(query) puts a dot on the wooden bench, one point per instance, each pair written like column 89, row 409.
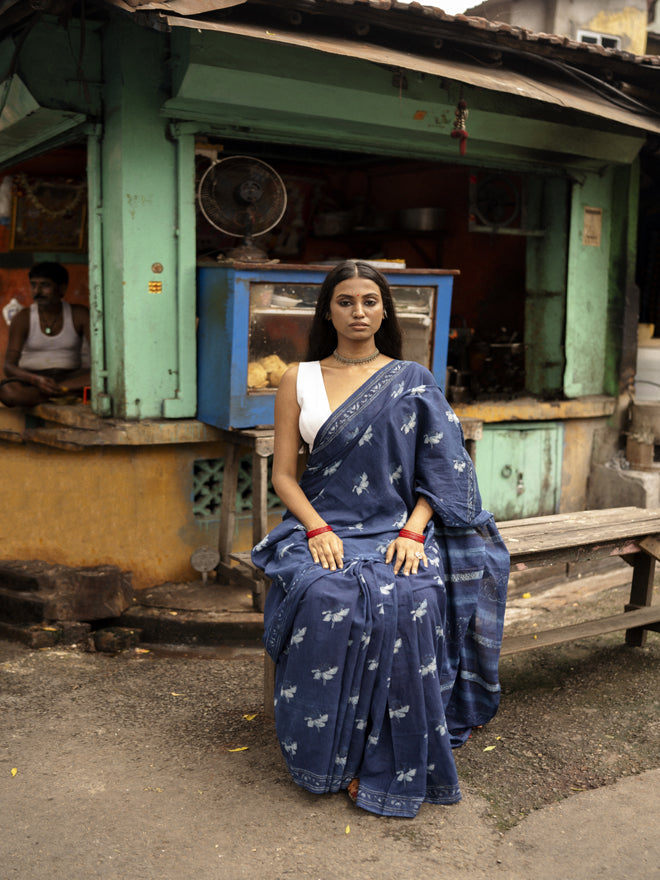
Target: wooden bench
column 632, row 533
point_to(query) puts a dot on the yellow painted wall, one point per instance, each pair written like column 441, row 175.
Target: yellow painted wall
column 132, row 506
column 129, row 506
column 628, row 23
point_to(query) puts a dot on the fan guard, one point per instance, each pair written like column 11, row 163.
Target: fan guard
column 242, row 196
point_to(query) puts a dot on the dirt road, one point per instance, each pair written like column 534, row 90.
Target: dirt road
column 165, row 768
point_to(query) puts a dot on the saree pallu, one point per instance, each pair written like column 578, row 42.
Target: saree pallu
column 379, row 676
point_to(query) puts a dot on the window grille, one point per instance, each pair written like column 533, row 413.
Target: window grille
column 208, row 480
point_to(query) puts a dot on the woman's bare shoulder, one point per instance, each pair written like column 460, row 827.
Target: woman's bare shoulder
column 290, row 375
column 287, row 389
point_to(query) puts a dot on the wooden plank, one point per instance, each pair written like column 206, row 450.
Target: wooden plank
column 246, row 573
column 587, row 518
column 651, row 545
column 552, row 540
column 259, row 497
column 550, row 535
column 523, row 561
column 473, row 429
column 228, row 502
column 259, row 440
column 11, row 436
column 628, row 620
column 600, row 515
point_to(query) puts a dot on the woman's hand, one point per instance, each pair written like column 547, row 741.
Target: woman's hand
column 408, row 553
column 327, row 549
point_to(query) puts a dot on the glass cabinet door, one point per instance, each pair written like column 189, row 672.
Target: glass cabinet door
column 415, row 308
column 281, row 318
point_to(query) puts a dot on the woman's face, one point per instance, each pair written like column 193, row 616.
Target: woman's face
column 356, row 309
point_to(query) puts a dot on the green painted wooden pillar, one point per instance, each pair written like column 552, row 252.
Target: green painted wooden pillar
column 588, row 284
column 545, row 305
column 148, row 234
column 621, row 347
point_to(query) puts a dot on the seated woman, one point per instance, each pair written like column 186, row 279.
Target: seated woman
column 46, row 346
column 388, row 578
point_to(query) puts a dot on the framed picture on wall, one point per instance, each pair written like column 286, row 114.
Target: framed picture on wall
column 48, row 215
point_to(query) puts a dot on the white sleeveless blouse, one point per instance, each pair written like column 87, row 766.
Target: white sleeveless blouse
column 312, row 399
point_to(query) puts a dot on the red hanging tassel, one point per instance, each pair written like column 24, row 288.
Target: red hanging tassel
column 459, row 130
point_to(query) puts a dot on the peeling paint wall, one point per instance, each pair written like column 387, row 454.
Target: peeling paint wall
column 628, row 23
column 625, row 20
column 130, row 507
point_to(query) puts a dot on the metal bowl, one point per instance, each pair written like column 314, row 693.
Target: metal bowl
column 422, row 219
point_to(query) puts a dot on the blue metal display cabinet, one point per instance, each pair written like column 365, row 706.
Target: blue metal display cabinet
column 254, row 321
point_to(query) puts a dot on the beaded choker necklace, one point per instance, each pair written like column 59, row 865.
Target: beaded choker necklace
column 352, row 361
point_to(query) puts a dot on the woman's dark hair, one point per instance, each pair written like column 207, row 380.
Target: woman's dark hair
column 323, row 336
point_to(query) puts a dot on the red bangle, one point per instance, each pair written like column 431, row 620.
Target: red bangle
column 415, row 536
column 319, row 531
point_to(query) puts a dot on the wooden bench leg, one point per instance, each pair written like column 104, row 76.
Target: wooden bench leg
column 228, row 503
column 641, row 594
column 259, row 497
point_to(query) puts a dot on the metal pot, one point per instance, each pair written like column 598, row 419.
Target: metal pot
column 422, row 219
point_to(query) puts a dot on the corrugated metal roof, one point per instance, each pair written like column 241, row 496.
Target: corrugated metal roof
column 502, row 80
column 416, row 12
column 181, row 7
column 489, row 54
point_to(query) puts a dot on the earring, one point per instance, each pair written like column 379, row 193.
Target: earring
column 384, row 313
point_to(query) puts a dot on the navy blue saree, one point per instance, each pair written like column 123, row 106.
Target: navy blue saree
column 378, row 676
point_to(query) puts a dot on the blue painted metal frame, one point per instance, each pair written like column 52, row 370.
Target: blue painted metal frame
column 223, row 308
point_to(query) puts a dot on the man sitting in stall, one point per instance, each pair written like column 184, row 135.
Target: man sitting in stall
column 45, row 357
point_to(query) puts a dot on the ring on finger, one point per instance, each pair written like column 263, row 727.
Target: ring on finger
column 419, row 555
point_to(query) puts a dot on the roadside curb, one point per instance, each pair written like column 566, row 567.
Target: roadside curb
column 180, row 627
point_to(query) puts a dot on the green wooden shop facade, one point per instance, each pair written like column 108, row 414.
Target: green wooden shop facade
column 140, row 99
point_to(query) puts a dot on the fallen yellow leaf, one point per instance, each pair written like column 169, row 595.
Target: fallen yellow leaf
column 527, row 595
column 348, row 829
column 489, row 748
column 14, row 771
column 177, row 695
column 239, row 749
column 250, row 717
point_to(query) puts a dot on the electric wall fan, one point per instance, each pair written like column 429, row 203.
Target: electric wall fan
column 245, row 197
